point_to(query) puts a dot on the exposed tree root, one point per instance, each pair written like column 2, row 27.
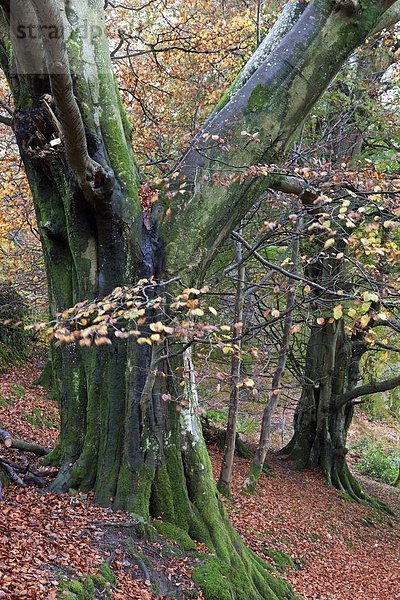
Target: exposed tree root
column 337, row 475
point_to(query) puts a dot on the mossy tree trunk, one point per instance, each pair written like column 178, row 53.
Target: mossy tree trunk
column 332, row 385
column 332, row 368
column 14, row 342
column 321, row 423
column 117, row 436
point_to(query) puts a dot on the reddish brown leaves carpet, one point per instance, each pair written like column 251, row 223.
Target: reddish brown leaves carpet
column 345, row 551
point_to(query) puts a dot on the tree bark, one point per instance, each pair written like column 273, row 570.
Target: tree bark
column 270, row 105
column 225, row 477
column 265, row 433
column 321, row 421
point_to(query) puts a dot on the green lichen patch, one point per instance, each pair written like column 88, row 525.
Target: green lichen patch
column 259, row 98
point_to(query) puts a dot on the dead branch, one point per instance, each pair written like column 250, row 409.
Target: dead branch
column 12, row 475
column 22, row 474
column 30, row 447
column 10, row 442
column 6, row 438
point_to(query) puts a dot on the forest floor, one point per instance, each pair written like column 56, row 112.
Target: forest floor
column 341, row 550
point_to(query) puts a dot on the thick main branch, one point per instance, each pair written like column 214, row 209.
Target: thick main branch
column 367, row 389
column 58, row 67
column 256, row 126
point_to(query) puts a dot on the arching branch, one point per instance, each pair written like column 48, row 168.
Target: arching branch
column 270, row 107
column 366, row 390
column 288, row 17
column 389, row 18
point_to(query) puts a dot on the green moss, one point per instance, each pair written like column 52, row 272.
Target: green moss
column 88, row 586
column 259, row 97
column 136, row 553
column 211, row 580
column 114, row 134
column 101, row 583
column 347, row 497
column 14, row 341
column 219, row 581
column 253, row 478
column 81, row 87
column 281, row 559
column 228, row 93
column 128, row 129
column 134, row 489
column 198, row 529
column 108, row 574
column 161, row 501
column 45, row 379
column 54, row 458
column 76, row 589
column 176, row 534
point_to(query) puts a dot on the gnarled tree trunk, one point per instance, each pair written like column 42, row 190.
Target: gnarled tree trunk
column 321, row 423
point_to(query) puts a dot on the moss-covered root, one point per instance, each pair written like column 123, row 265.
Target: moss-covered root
column 45, row 378
column 235, row 573
column 175, row 534
column 89, row 587
column 253, row 477
column 342, row 479
column 220, row 581
column 281, row 559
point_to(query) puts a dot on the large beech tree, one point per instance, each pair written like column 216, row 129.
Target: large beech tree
column 331, row 378
column 95, row 238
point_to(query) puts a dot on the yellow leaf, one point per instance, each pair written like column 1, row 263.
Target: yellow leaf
column 249, row 383
column 329, row 243
column 338, row 312
column 370, row 297
column 227, row 350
